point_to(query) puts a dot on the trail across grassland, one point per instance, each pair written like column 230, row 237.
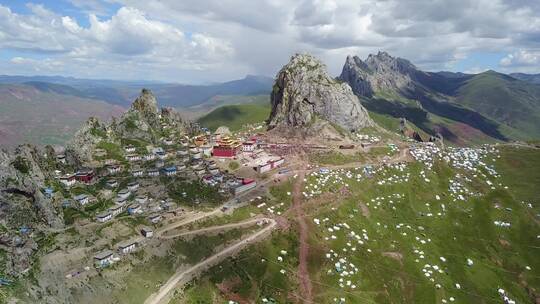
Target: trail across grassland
column 243, row 224
column 184, row 276
column 303, row 271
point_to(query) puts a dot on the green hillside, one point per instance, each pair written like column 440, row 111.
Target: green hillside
column 504, row 99
column 387, row 110
column 235, row 116
column 462, row 107
column 480, row 108
column 411, row 239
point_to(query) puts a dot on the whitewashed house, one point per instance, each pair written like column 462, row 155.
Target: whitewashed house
column 133, row 186
column 155, row 218
column 116, row 210
column 129, row 149
column 133, row 157
column 124, row 193
column 248, row 146
column 82, row 199
column 147, row 232
column 103, row 259
column 68, row 180
column 113, row 169
column 104, row 217
column 137, row 172
column 127, row 247
column 150, row 156
column 153, row 172
column 141, row 199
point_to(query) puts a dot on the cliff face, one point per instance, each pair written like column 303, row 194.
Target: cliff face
column 304, row 93
column 24, row 205
column 380, row 72
column 22, row 176
column 79, row 149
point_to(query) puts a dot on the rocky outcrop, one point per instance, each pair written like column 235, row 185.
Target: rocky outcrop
column 80, row 148
column 22, row 176
column 379, row 73
column 143, row 121
column 145, row 104
column 355, row 73
column 23, row 205
column 304, row 94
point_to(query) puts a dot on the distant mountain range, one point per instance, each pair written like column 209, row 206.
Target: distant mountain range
column 48, row 110
column 30, row 114
column 461, row 107
column 123, row 92
column 533, row 78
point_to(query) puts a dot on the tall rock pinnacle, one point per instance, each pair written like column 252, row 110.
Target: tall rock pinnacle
column 146, row 102
column 304, row 92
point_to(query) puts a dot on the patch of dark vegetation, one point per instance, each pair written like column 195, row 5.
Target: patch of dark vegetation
column 21, row 164
column 194, row 192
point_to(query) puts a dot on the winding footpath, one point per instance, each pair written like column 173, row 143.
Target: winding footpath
column 183, row 276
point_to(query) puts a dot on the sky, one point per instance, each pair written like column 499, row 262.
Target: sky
column 202, row 41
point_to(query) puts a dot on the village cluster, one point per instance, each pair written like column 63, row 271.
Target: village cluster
column 127, row 184
column 199, row 157
column 208, row 158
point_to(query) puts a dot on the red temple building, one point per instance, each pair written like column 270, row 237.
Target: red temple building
column 226, row 147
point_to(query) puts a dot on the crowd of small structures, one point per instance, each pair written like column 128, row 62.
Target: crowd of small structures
column 126, row 185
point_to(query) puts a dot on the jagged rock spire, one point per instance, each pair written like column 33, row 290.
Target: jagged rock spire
column 146, row 102
column 303, row 92
column 380, row 72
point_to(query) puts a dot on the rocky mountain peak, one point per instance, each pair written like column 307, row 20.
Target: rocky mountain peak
column 380, row 72
column 383, row 62
column 146, row 102
column 303, row 61
column 304, row 93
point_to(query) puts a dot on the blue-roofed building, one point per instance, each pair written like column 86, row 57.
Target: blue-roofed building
column 83, row 199
column 48, row 191
column 170, row 171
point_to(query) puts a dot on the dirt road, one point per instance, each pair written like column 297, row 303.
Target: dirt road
column 184, row 276
column 243, row 224
column 194, row 218
column 303, row 271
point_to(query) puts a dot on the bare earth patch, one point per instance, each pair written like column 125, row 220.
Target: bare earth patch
column 394, row 255
column 364, row 208
column 226, row 288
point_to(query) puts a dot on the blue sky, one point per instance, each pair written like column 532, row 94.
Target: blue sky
column 195, row 41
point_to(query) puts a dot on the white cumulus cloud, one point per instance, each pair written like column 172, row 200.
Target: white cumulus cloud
column 521, row 58
column 214, row 40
